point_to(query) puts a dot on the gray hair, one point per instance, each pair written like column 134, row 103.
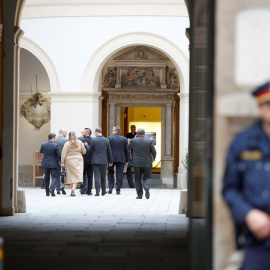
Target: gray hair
column 61, row 130
column 141, row 131
column 117, row 129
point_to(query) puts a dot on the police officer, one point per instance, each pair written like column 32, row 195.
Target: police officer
column 246, row 186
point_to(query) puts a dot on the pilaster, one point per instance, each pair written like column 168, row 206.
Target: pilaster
column 183, row 138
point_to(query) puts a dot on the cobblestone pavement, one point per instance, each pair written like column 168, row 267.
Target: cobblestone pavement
column 88, row 232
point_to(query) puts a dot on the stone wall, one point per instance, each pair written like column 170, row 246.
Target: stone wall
column 235, row 64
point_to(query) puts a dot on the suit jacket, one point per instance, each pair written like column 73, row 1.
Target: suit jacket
column 143, row 152
column 52, row 155
column 119, row 148
column 61, row 140
column 101, row 150
column 87, row 158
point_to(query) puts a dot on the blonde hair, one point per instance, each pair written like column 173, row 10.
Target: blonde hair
column 73, row 140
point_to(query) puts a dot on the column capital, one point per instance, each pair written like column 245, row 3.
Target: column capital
column 112, row 104
column 184, row 97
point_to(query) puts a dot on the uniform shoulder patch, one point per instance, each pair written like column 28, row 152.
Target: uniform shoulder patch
column 251, row 155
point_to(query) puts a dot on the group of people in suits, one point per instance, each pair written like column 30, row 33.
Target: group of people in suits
column 84, row 156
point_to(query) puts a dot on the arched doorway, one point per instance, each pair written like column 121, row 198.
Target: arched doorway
column 180, row 62
column 143, row 77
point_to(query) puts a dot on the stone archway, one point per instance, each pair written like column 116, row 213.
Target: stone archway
column 96, row 63
column 44, row 59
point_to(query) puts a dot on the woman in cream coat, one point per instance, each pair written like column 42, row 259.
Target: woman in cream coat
column 72, row 160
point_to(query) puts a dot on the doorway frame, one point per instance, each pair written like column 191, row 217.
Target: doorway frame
column 117, row 98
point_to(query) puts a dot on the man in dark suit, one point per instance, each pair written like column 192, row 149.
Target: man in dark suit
column 60, row 141
column 143, row 154
column 102, row 156
column 50, row 162
column 120, row 158
column 86, row 188
column 130, row 136
column 132, row 132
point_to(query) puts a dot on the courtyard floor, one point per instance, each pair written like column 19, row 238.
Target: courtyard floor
column 105, row 232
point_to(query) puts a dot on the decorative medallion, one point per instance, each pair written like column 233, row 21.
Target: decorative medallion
column 37, row 110
column 109, row 78
column 172, row 79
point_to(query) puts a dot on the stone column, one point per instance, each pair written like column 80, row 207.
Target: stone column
column 100, row 111
column 183, row 138
column 118, row 82
column 9, row 143
column 168, row 160
column 112, row 117
column 118, row 116
column 18, row 35
column 168, row 131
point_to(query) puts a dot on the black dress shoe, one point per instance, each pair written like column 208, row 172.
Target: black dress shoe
column 103, row 193
column 52, row 193
column 58, row 192
column 83, row 190
column 118, row 192
column 89, row 193
column 110, row 191
column 97, row 194
column 138, row 197
column 63, row 191
column 47, row 193
column 147, row 193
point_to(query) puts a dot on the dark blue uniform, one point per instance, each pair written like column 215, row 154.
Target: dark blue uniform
column 247, row 186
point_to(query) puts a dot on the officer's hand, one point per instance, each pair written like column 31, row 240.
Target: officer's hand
column 258, row 223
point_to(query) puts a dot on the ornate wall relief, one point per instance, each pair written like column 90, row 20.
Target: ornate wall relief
column 109, row 78
column 140, row 77
column 172, row 79
column 36, row 110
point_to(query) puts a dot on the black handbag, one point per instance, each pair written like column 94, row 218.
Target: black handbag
column 63, row 175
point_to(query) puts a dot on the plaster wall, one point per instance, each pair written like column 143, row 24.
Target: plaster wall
column 30, row 138
column 74, row 112
column 76, row 39
column 30, row 66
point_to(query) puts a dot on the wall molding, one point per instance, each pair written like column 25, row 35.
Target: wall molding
column 95, row 8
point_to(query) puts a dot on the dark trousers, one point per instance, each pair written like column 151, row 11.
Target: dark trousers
column 88, row 170
column 47, row 173
column 119, row 175
column 100, row 169
column 146, row 173
column 59, row 185
column 129, row 177
column 256, row 258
